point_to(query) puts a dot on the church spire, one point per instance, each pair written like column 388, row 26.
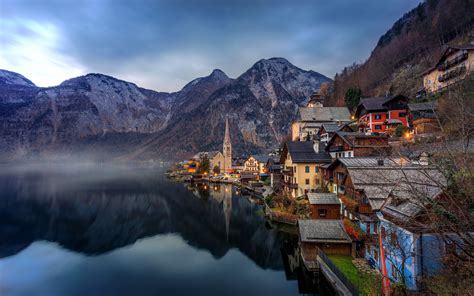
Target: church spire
column 227, row 148
column 227, row 133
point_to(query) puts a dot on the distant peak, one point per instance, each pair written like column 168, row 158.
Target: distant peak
column 218, row 73
column 10, row 77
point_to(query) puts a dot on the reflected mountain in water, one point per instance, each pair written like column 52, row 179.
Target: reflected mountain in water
column 93, row 210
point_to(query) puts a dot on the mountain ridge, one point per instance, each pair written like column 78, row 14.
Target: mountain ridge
column 92, row 111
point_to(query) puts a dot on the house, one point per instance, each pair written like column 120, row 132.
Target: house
column 409, row 253
column 422, row 118
column 383, row 195
column 327, row 235
column 309, row 120
column 324, row 205
column 256, row 164
column 301, row 166
column 327, row 130
column 453, row 66
column 380, row 114
column 273, row 168
column 356, row 144
column 216, row 158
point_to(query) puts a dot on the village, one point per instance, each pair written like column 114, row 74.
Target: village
column 355, row 184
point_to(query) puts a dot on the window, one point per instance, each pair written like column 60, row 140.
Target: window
column 306, row 181
column 322, row 212
column 378, row 116
column 349, row 154
column 306, row 169
column 378, row 127
column 316, row 169
column 402, row 114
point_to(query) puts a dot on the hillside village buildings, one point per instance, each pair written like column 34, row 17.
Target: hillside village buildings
column 454, row 65
column 310, row 119
column 380, row 115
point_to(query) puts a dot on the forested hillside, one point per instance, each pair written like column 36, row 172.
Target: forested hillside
column 413, row 44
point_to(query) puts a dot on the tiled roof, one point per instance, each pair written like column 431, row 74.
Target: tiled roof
column 322, row 230
column 350, row 138
column 373, row 162
column 323, row 198
column 426, row 106
column 303, row 152
column 324, row 114
column 331, row 127
column 262, row 158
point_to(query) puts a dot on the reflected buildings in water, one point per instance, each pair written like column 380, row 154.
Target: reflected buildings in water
column 98, row 217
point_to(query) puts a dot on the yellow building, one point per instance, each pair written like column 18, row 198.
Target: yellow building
column 454, row 65
column 302, row 162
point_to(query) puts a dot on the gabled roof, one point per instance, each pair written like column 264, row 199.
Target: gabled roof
column 322, row 230
column 209, row 154
column 425, row 106
column 262, row 158
column 375, row 104
column 350, row 139
column 303, row 152
column 331, row 127
column 445, row 54
column 323, row 198
column 324, row 114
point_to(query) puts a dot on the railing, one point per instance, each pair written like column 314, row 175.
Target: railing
column 290, row 185
column 364, row 209
column 349, row 285
column 287, row 173
column 336, row 148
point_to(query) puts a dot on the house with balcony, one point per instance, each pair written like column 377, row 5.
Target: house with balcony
column 310, row 119
column 256, row 164
column 301, row 162
column 382, row 114
column 454, row 65
column 357, row 144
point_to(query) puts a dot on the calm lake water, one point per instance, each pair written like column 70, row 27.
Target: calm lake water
column 110, row 230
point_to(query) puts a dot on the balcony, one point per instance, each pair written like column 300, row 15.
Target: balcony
column 287, row 172
column 452, row 74
column 364, row 209
column 336, row 148
column 448, row 64
column 290, row 185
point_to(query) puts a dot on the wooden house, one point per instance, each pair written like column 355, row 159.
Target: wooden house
column 422, row 118
column 324, row 205
column 356, row 144
column 324, row 234
column 379, row 114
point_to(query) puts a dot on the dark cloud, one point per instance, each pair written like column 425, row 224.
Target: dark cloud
column 164, row 44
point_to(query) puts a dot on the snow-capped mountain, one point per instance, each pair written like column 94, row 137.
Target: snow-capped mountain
column 96, row 112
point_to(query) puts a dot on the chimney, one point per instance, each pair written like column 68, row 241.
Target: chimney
column 380, row 162
column 316, row 144
column 424, row 159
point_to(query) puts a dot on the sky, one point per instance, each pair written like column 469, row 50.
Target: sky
column 162, row 45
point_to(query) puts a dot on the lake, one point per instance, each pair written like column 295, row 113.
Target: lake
column 113, row 230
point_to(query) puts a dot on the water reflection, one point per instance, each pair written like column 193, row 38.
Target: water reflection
column 144, row 233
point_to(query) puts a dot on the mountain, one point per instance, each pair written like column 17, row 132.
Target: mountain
column 99, row 114
column 260, row 105
column 413, row 44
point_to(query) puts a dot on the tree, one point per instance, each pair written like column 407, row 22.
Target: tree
column 204, row 165
column 216, row 170
column 352, row 97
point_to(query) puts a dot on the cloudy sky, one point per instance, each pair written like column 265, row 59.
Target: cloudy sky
column 162, row 45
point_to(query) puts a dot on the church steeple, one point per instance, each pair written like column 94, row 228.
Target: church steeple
column 227, row 148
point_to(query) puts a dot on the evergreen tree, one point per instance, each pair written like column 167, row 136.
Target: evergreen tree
column 352, row 97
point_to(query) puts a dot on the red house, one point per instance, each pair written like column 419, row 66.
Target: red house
column 381, row 114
